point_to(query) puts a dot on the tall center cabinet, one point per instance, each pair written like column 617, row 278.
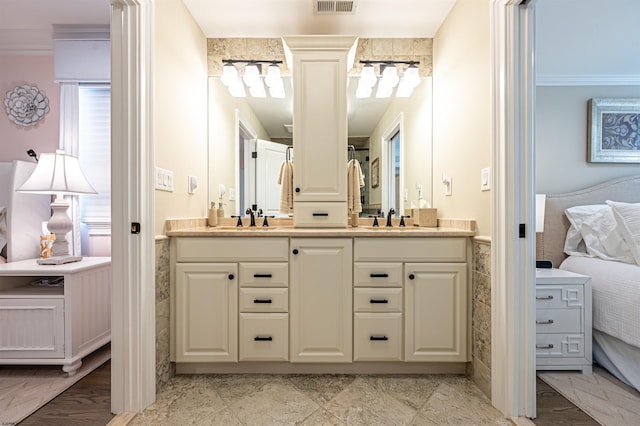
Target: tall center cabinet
column 319, row 65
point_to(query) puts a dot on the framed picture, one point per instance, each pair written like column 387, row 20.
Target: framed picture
column 375, row 172
column 614, row 130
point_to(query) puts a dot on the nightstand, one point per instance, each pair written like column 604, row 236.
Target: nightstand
column 563, row 321
column 56, row 325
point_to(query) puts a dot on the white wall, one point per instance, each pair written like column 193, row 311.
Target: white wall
column 180, row 111
column 223, row 132
column 575, row 63
column 462, row 113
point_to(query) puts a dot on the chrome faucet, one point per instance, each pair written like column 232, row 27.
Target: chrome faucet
column 391, row 213
column 253, row 217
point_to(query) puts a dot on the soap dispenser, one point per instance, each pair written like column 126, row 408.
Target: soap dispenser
column 212, row 219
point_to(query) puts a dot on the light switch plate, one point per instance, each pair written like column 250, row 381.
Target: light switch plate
column 232, row 194
column 164, row 179
column 485, row 179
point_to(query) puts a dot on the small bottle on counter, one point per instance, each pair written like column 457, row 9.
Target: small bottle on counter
column 212, row 219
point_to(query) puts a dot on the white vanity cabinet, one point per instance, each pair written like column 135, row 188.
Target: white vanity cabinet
column 321, row 300
column 435, row 292
column 319, row 67
column 215, row 281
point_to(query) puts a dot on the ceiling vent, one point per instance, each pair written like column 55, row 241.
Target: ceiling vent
column 333, row 7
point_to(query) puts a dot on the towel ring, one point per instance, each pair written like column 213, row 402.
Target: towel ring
column 352, row 152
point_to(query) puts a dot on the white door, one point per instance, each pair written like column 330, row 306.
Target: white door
column 270, row 158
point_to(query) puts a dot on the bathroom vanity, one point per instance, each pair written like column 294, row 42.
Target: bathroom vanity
column 308, row 299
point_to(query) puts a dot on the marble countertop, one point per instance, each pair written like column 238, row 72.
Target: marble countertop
column 359, row 231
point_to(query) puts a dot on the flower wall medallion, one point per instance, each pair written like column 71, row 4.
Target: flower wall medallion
column 26, row 105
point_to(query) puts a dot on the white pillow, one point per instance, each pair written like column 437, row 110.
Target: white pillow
column 627, row 216
column 594, row 233
column 574, row 244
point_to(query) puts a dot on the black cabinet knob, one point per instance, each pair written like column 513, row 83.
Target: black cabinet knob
column 297, row 189
column 411, row 276
column 231, row 276
column 295, row 251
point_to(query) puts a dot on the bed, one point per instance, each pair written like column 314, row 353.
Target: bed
column 21, row 215
column 599, row 227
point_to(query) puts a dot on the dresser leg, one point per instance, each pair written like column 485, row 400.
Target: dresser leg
column 72, row 369
column 587, row 370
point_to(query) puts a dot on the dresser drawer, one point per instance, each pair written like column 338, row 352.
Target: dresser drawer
column 560, row 345
column 264, row 300
column 559, row 321
column 264, row 337
column 410, row 249
column 264, row 274
column 377, row 274
column 377, row 337
column 377, row 300
column 559, row 296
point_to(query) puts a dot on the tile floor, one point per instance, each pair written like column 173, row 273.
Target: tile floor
column 320, row 400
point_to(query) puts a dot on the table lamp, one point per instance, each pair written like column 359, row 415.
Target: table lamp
column 541, row 200
column 58, row 174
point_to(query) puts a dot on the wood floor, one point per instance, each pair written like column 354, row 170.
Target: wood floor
column 88, row 403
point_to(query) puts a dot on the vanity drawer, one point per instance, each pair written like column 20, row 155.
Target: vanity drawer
column 324, row 215
column 264, row 299
column 560, row 345
column 410, row 249
column 377, row 300
column 264, row 337
column 559, row 296
column 377, row 274
column 231, row 249
column 377, row 337
column 264, row 275
column 559, row 321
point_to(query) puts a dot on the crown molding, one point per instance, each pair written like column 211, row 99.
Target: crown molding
column 587, row 80
column 25, row 42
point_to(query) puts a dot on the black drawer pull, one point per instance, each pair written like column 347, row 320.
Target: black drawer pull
column 262, row 275
column 261, row 300
column 379, row 275
column 544, row 321
column 378, row 338
column 295, row 251
column 378, row 301
column 411, row 276
column 320, row 214
column 231, row 276
column 544, row 297
column 549, row 346
column 263, row 338
column 297, row 189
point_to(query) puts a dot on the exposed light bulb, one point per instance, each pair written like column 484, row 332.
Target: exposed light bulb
column 251, row 75
column 367, row 76
column 229, row 74
column 273, row 76
column 390, row 76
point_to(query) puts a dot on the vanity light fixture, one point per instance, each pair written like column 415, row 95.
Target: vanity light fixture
column 388, row 80
column 252, row 78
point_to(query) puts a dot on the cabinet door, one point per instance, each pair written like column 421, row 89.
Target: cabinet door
column 436, row 312
column 207, row 312
column 320, row 125
column 320, row 300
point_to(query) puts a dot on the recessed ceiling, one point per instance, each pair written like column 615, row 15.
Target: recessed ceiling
column 275, row 18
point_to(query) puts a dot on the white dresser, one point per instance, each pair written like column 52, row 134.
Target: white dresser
column 56, row 325
column 563, row 321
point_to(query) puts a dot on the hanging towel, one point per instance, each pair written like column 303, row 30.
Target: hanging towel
column 355, row 181
column 285, row 179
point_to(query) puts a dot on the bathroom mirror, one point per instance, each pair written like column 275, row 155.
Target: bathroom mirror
column 395, row 133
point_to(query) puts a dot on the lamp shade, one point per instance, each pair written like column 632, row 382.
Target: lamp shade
column 57, row 173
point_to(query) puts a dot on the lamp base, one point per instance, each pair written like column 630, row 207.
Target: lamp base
column 59, row 260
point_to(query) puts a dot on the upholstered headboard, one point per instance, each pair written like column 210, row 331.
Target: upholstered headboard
column 550, row 243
